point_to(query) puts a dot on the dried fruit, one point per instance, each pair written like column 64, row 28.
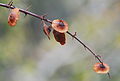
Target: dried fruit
column 60, row 25
column 101, row 68
column 59, row 37
column 46, row 30
column 13, row 16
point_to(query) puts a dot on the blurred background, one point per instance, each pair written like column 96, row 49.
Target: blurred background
column 26, row 54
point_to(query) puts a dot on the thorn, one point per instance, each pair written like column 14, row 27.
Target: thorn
column 28, row 7
column 10, row 3
column 27, row 10
column 85, row 47
column 43, row 16
column 99, row 56
column 74, row 35
column 25, row 15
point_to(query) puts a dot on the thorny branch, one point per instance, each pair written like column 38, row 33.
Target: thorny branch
column 96, row 56
column 26, row 12
column 47, row 20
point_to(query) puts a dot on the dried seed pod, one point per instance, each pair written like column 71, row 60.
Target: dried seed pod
column 46, row 30
column 60, row 25
column 101, row 68
column 13, row 16
column 59, row 37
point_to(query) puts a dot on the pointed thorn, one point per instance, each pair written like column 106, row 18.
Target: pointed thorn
column 10, row 2
column 43, row 16
column 99, row 56
column 74, row 35
column 25, row 15
column 28, row 7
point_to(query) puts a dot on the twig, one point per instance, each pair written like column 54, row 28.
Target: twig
column 94, row 54
column 26, row 12
column 49, row 21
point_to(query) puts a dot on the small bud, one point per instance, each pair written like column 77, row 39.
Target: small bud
column 101, row 68
column 60, row 25
column 13, row 16
column 59, row 37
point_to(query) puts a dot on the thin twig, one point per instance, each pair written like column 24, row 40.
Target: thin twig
column 49, row 21
column 94, row 54
column 26, row 12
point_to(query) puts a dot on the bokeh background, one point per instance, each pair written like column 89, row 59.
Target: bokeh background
column 26, row 54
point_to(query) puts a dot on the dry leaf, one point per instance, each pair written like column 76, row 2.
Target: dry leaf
column 13, row 16
column 59, row 37
column 46, row 30
column 101, row 68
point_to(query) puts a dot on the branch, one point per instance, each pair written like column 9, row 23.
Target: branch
column 26, row 12
column 94, row 54
column 49, row 21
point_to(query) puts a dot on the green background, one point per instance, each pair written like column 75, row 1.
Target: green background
column 26, row 54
